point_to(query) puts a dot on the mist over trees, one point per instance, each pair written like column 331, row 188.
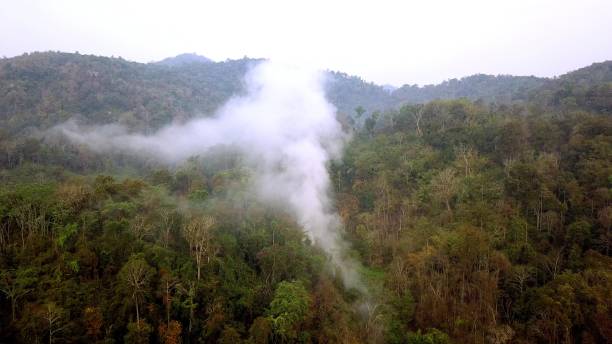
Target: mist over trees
column 480, row 211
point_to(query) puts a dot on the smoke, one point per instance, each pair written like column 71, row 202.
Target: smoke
column 287, row 131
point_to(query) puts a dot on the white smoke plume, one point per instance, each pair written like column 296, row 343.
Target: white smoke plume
column 287, row 131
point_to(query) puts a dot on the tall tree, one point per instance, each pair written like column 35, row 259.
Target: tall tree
column 15, row 284
column 199, row 234
column 136, row 274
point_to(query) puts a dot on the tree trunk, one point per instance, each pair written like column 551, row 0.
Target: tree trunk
column 137, row 314
column 13, row 307
column 168, row 304
column 199, row 264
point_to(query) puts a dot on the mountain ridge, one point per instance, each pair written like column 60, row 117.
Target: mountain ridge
column 43, row 88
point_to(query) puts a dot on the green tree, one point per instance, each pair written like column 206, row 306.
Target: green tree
column 138, row 333
column 432, row 336
column 288, row 309
column 15, row 284
column 359, row 111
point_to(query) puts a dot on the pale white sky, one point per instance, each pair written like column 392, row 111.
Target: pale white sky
column 384, row 41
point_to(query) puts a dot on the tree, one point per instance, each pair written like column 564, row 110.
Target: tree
column 432, row 336
column 93, row 322
column 444, row 186
column 54, row 317
column 31, row 219
column 168, row 284
column 188, row 291
column 135, row 274
column 260, row 331
column 466, row 156
column 171, row 334
column 16, row 284
column 370, row 123
column 359, row 111
column 417, row 114
column 198, row 232
column 166, row 222
column 229, row 335
column 140, row 228
column 138, row 333
column 288, row 309
column 604, row 216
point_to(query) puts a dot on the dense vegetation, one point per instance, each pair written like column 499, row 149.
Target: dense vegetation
column 488, row 224
column 42, row 89
column 474, row 221
column 500, row 89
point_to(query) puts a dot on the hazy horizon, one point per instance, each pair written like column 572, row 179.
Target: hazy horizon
column 388, row 43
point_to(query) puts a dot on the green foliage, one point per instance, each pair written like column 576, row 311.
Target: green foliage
column 481, row 222
column 66, row 233
column 15, row 284
column 138, row 333
column 288, row 309
column 432, row 336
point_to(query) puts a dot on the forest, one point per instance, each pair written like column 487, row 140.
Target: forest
column 479, row 210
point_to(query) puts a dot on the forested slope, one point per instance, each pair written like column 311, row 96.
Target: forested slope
column 489, row 88
column 38, row 90
column 475, row 222
column 43, row 89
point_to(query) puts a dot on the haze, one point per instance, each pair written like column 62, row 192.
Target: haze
column 388, row 42
column 288, row 133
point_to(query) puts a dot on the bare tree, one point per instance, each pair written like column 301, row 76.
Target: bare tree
column 552, row 262
column 445, row 186
column 520, row 275
column 418, row 115
column 167, row 221
column 135, row 273
column 169, row 284
column 30, row 219
column 140, row 227
column 54, row 316
column 374, row 322
column 509, row 163
column 198, row 232
column 467, row 155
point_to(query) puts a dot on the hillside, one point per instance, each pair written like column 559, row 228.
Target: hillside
column 588, row 88
column 465, row 222
column 43, row 89
column 489, row 88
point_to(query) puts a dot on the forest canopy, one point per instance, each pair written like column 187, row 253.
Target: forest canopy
column 479, row 210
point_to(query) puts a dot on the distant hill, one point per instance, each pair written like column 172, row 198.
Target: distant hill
column 588, row 88
column 39, row 90
column 594, row 74
column 183, row 59
column 348, row 92
column 489, row 88
column 42, row 89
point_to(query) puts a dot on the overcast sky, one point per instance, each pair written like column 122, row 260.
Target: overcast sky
column 393, row 42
